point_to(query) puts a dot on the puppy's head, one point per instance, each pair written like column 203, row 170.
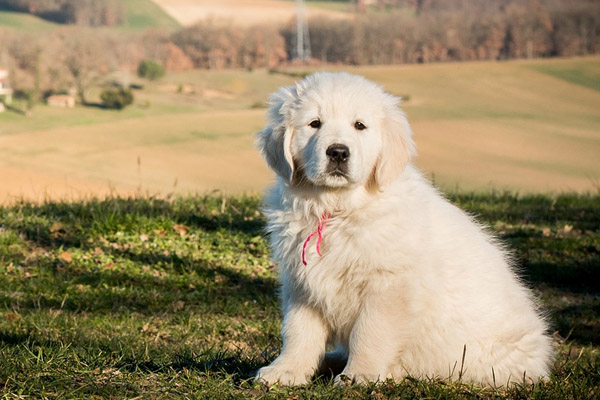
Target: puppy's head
column 336, row 130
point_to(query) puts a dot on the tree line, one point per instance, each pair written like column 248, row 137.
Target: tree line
column 410, row 31
column 460, row 30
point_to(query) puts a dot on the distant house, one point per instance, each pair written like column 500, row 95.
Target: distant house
column 5, row 91
column 61, row 100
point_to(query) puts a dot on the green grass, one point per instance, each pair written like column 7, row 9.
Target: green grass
column 144, row 14
column 25, row 22
column 587, row 75
column 140, row 15
column 331, row 5
column 43, row 117
column 177, row 298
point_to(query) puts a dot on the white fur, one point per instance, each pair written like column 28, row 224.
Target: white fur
column 407, row 283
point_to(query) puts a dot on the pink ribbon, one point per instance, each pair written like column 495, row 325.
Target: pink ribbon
column 324, row 218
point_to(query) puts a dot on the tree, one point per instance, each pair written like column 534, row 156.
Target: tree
column 87, row 60
column 116, row 99
column 150, row 70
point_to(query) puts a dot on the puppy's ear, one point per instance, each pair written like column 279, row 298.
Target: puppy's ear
column 398, row 147
column 275, row 140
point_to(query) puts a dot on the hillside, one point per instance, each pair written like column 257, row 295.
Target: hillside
column 524, row 126
column 144, row 14
column 25, row 22
column 140, row 15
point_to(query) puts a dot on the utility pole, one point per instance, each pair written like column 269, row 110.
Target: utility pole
column 302, row 38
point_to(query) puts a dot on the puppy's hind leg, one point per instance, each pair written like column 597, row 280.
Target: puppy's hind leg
column 375, row 342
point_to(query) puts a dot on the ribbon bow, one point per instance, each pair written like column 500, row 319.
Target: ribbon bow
column 321, row 225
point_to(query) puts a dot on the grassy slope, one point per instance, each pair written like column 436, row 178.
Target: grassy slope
column 25, row 22
column 141, row 14
column 177, row 299
column 340, row 6
column 144, row 14
column 572, row 71
column 478, row 126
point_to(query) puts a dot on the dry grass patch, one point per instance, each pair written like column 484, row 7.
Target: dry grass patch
column 478, row 126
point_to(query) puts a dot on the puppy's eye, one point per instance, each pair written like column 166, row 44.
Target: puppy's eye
column 316, row 124
column 359, row 126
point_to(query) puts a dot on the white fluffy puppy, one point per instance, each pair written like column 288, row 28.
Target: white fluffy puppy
column 374, row 262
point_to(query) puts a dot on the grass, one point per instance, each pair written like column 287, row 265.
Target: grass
column 574, row 72
column 177, row 298
column 140, row 15
column 25, row 22
column 334, row 5
column 44, row 118
column 144, row 14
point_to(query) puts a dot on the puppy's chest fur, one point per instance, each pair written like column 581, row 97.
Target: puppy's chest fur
column 353, row 259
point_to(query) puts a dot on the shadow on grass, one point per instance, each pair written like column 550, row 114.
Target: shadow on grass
column 579, row 323
column 582, row 211
column 237, row 368
column 575, row 284
column 85, row 365
column 14, row 109
column 112, row 290
column 569, row 265
column 56, row 224
column 574, row 277
column 101, row 106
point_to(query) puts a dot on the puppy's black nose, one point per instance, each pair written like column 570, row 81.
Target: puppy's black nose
column 338, row 153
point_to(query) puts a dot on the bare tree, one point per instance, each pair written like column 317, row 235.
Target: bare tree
column 87, row 59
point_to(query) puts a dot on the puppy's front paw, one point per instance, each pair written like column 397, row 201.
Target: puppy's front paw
column 274, row 374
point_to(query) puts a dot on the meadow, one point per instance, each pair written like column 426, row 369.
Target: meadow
column 133, row 262
column 149, row 298
column 524, row 126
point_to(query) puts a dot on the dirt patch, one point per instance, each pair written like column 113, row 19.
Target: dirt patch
column 23, row 184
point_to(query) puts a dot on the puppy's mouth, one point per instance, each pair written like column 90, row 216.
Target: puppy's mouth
column 336, row 176
column 337, row 170
column 338, row 173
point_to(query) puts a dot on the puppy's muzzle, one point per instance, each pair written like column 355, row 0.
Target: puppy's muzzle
column 338, row 153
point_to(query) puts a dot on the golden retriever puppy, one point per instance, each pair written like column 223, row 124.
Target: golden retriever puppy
column 374, row 263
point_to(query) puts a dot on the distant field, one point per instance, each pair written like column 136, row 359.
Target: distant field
column 524, row 126
column 248, row 12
